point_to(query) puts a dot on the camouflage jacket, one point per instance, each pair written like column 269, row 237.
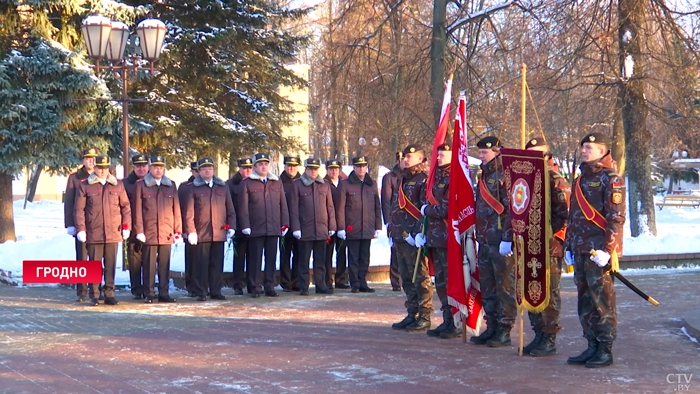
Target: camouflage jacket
column 605, row 191
column 414, row 179
column 437, row 214
column 560, row 195
column 487, row 220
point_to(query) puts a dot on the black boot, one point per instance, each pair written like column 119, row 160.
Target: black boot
column 500, row 338
column 451, row 332
column 546, row 347
column 603, row 357
column 534, row 343
column 487, row 334
column 407, row 321
column 586, row 355
column 435, row 332
column 422, row 323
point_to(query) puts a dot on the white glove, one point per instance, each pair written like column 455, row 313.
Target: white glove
column 70, row 230
column 230, row 233
column 422, row 209
column 192, row 239
column 285, row 231
column 376, row 234
column 569, row 258
column 297, row 234
column 81, row 236
column 141, row 237
column 505, row 249
column 126, row 233
column 601, row 258
column 391, row 242
column 421, row 240
column 330, row 233
column 341, row 234
column 246, row 231
column 411, row 241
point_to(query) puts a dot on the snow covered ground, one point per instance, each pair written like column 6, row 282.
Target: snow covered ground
column 41, row 236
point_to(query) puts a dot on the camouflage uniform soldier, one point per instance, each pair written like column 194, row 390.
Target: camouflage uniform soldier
column 389, row 182
column 245, row 168
column 406, row 222
column 289, row 265
column 436, row 240
column 189, row 250
column 494, row 234
column 69, row 210
column 135, row 247
column 546, row 324
column 599, row 194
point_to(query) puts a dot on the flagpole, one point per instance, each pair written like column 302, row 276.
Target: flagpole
column 523, row 126
column 523, row 70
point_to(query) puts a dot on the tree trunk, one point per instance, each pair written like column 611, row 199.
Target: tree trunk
column 7, row 221
column 33, row 183
column 618, row 147
column 631, row 14
column 437, row 58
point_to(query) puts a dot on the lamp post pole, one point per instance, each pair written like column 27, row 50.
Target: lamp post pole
column 107, row 39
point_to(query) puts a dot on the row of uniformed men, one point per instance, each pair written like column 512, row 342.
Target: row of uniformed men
column 98, row 207
column 593, row 222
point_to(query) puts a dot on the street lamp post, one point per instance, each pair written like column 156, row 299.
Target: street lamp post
column 106, row 39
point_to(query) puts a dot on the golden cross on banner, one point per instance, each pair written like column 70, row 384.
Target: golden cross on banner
column 535, row 265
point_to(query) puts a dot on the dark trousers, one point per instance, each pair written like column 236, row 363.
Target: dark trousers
column 190, row 258
column 81, row 289
column 256, row 247
column 419, row 296
column 497, row 281
column 358, row 261
column 289, row 273
column 319, row 249
column 597, row 307
column 107, row 253
column 208, row 270
column 394, row 274
column 548, row 320
column 439, row 256
column 341, row 261
column 240, row 249
column 134, row 254
column 159, row 254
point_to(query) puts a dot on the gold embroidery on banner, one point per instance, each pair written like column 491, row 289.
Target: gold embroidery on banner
column 522, row 167
column 534, row 242
column 518, row 226
column 535, row 265
column 534, row 290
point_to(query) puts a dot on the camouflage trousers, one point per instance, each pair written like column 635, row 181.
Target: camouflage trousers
column 548, row 320
column 497, row 280
column 419, row 295
column 439, row 256
column 596, row 300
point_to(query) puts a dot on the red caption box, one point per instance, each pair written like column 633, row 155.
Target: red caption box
column 61, row 271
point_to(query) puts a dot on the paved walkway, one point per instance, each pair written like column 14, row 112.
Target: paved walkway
column 319, row 344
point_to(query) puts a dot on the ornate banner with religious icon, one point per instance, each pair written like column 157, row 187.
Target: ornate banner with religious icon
column 526, row 178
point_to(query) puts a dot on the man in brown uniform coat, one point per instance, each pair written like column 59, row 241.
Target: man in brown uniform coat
column 334, row 175
column 157, row 224
column 189, row 250
column 359, row 221
column 135, row 247
column 546, row 324
column 210, row 220
column 389, row 182
column 264, row 217
column 97, row 202
column 69, row 210
column 289, row 265
column 312, row 221
column 245, row 167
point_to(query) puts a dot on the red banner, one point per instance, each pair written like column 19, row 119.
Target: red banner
column 440, row 136
column 463, row 290
column 527, row 180
column 61, row 271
